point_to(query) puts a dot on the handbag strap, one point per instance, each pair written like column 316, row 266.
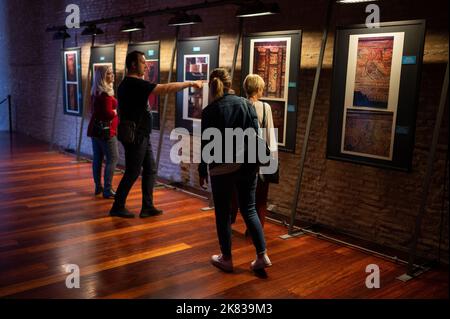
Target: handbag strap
column 142, row 115
column 248, row 105
column 264, row 124
column 264, row 121
column 140, row 120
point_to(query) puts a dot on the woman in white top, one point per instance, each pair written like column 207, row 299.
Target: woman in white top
column 254, row 88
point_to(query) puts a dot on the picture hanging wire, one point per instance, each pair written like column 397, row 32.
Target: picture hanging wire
column 57, row 95
column 85, row 100
column 428, row 176
column 310, row 116
column 166, row 100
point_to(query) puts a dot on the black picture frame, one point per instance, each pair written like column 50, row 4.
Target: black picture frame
column 72, row 81
column 289, row 102
column 101, row 54
column 151, row 50
column 187, row 47
column 403, row 128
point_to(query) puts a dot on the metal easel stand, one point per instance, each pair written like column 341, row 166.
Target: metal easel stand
column 319, row 235
column 182, row 190
column 210, row 204
column 8, row 98
column 58, row 92
column 85, row 103
column 413, row 271
column 164, row 111
column 210, row 199
column 300, row 231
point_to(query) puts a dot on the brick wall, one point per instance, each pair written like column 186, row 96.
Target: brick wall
column 4, row 68
column 374, row 204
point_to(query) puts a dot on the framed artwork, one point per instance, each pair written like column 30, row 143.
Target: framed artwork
column 275, row 56
column 96, row 65
column 151, row 52
column 375, row 84
column 103, row 55
column 371, row 94
column 196, row 67
column 71, row 58
column 151, row 75
column 197, row 57
column 72, row 89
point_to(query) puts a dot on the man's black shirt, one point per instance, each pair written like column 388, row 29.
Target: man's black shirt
column 133, row 95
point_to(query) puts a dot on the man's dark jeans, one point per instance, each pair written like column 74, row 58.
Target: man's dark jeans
column 137, row 156
column 244, row 181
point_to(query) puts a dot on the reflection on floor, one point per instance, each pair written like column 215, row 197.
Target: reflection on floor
column 50, row 219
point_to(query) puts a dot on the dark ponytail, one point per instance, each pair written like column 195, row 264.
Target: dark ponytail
column 219, row 83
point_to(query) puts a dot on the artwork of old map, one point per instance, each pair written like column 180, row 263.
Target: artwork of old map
column 373, row 72
column 368, row 133
column 269, row 61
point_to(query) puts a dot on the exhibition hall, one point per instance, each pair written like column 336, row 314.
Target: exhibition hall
column 207, row 151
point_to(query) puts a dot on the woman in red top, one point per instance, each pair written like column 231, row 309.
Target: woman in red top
column 104, row 110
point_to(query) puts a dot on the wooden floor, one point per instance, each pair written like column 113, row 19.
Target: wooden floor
column 49, row 218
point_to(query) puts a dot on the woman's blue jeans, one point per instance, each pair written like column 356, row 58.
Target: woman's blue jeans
column 244, row 181
column 104, row 148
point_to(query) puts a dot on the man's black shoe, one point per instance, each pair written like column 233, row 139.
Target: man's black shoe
column 149, row 212
column 98, row 190
column 124, row 213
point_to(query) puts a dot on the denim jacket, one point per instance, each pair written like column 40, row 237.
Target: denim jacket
column 229, row 111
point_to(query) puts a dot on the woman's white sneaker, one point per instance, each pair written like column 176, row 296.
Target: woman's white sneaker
column 219, row 262
column 261, row 262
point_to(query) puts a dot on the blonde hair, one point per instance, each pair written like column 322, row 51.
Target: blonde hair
column 99, row 84
column 252, row 84
column 219, row 83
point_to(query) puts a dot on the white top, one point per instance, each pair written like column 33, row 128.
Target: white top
column 268, row 132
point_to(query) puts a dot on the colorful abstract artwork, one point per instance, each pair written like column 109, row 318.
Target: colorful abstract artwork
column 72, row 86
column 373, row 72
column 269, row 58
column 152, row 75
column 371, row 95
column 71, row 66
column 72, row 97
column 196, row 67
column 279, row 118
column 368, row 132
column 269, row 62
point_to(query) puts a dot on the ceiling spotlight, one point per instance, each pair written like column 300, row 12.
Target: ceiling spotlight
column 132, row 26
column 61, row 35
column 257, row 8
column 182, row 18
column 92, row 30
column 354, row 1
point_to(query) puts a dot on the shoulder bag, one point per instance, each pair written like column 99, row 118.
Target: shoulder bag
column 102, row 129
column 127, row 131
